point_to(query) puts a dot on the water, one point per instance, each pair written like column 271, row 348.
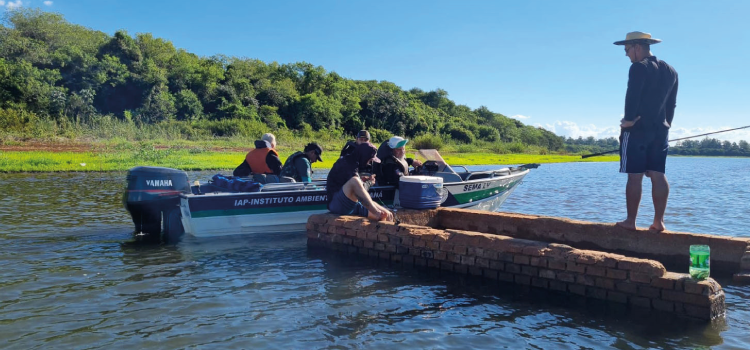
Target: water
column 700, row 262
column 69, row 278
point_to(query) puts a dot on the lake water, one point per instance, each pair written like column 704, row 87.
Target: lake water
column 70, row 278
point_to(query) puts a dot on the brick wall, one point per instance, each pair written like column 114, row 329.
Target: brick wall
column 617, row 278
column 670, row 248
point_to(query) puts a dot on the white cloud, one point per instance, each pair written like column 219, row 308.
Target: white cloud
column 48, row 3
column 520, row 117
column 571, row 129
column 733, row 136
column 13, row 4
column 2, row 3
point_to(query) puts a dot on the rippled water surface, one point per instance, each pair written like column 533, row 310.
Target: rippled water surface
column 70, row 278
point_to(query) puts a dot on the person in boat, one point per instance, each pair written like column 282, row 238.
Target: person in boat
column 363, row 136
column 299, row 165
column 262, row 162
column 650, row 102
column 366, row 174
column 346, row 194
column 394, row 162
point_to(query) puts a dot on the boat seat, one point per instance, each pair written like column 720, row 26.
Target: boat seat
column 265, row 178
column 286, row 179
column 449, row 177
column 502, row 172
column 479, row 175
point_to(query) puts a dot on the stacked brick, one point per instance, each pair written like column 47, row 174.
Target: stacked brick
column 671, row 248
column 558, row 267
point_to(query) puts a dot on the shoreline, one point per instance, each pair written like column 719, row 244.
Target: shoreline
column 97, row 159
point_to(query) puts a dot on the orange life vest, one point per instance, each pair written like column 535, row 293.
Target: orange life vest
column 256, row 159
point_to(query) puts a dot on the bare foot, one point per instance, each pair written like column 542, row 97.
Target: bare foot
column 626, row 225
column 656, row 228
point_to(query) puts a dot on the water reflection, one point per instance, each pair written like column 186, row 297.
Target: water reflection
column 68, row 280
column 461, row 309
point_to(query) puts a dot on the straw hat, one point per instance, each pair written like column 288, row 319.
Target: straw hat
column 638, row 37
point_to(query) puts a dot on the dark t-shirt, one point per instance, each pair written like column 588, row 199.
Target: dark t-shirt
column 348, row 148
column 348, row 167
column 652, row 94
column 392, row 169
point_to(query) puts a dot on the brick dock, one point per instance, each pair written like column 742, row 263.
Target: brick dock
column 588, row 259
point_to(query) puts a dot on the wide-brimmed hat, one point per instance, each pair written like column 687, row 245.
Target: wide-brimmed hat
column 312, row 146
column 397, row 142
column 638, row 37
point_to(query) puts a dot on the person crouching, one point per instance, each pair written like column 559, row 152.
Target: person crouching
column 346, row 194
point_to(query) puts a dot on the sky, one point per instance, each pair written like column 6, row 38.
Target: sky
column 550, row 64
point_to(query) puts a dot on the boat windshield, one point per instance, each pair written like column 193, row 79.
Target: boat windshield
column 433, row 155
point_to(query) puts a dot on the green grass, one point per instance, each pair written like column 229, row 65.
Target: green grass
column 490, row 158
column 126, row 156
column 115, row 145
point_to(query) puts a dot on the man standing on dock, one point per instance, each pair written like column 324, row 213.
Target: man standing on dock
column 649, row 108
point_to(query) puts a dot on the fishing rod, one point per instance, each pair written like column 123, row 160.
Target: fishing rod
column 682, row 138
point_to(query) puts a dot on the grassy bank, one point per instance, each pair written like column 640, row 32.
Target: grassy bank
column 114, row 158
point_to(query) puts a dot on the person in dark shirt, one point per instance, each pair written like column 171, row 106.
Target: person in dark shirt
column 650, row 102
column 362, row 137
column 394, row 162
column 366, row 174
column 261, row 161
column 346, row 194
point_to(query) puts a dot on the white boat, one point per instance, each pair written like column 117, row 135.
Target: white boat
column 161, row 200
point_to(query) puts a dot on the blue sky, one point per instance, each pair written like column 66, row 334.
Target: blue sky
column 547, row 63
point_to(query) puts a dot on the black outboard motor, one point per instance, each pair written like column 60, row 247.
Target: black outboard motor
column 153, row 194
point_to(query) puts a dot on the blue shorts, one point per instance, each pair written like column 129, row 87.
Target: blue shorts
column 643, row 151
column 342, row 205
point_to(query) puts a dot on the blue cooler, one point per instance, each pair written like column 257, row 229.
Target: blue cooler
column 420, row 192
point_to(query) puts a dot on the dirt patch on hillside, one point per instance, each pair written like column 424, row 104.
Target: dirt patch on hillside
column 48, row 147
column 87, row 147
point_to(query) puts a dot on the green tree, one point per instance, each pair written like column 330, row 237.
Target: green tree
column 188, row 105
column 158, row 106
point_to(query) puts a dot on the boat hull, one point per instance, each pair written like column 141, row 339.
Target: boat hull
column 218, row 214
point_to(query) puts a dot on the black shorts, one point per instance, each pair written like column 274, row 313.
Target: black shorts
column 642, row 151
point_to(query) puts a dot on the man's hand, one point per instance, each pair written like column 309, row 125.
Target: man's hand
column 628, row 123
column 415, row 163
column 386, row 215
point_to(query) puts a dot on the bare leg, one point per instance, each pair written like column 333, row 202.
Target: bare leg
column 633, row 191
column 355, row 191
column 660, row 194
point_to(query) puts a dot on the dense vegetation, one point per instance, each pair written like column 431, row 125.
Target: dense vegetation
column 61, row 79
column 703, row 147
column 712, row 147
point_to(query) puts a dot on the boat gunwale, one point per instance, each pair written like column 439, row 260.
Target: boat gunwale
column 217, row 194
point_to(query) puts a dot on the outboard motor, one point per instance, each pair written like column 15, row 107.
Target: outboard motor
column 153, row 194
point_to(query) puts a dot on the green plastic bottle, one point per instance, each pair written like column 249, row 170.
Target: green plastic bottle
column 700, row 262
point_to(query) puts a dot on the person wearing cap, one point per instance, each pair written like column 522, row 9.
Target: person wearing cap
column 299, row 165
column 362, row 137
column 650, row 102
column 366, row 173
column 394, row 164
column 345, row 193
column 262, row 162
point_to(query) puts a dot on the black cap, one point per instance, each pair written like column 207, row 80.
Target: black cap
column 312, row 146
column 364, row 133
